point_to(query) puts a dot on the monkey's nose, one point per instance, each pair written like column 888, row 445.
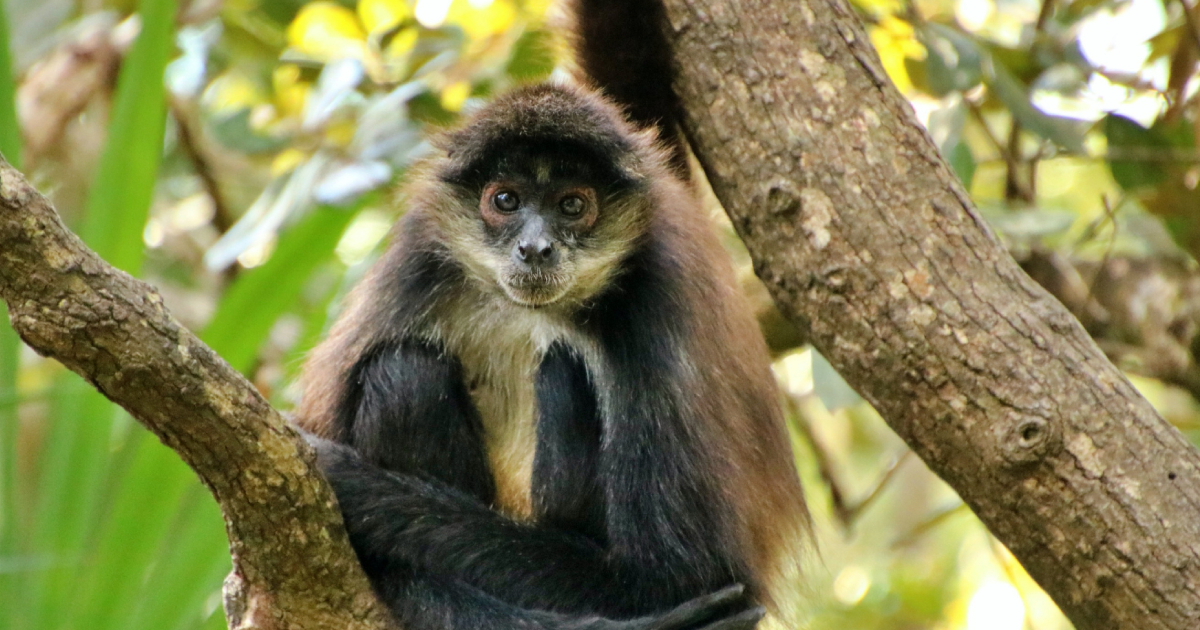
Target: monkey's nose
column 537, row 253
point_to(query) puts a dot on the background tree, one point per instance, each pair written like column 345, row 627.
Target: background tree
column 286, row 120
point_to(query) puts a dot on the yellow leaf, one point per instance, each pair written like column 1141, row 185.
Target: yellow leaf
column 455, row 95
column 481, row 18
column 895, row 41
column 290, row 91
column 287, row 160
column 340, row 132
column 402, row 43
column 232, row 91
column 378, row 15
column 326, row 31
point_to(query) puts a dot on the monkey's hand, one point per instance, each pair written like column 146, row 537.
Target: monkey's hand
column 725, row 609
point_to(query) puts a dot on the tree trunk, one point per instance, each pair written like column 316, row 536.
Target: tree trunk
column 870, row 245
column 293, row 567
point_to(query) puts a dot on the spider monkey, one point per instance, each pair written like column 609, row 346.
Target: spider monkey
column 547, row 405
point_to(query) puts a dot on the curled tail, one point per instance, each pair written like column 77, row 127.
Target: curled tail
column 621, row 49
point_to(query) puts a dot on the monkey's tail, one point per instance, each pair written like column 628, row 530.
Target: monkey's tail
column 621, row 49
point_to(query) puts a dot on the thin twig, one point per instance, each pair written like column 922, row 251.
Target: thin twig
column 837, row 498
column 924, row 526
column 222, row 218
column 1110, row 213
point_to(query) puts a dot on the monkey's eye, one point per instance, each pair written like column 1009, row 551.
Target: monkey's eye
column 505, row 201
column 571, row 205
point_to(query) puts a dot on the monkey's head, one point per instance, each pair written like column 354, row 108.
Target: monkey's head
column 547, row 194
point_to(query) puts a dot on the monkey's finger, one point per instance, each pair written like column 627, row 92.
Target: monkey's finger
column 742, row 621
column 699, row 609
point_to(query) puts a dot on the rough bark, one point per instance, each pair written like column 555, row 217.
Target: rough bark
column 293, row 565
column 870, row 245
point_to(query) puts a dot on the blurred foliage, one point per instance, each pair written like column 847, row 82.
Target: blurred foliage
column 267, row 192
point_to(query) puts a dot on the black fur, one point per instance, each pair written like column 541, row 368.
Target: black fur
column 656, row 477
column 624, row 527
column 409, row 411
column 566, row 490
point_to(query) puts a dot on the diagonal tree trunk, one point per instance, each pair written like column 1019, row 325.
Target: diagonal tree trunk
column 293, row 567
column 870, row 245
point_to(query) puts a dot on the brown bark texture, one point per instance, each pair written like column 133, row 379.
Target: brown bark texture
column 293, row 565
column 866, row 241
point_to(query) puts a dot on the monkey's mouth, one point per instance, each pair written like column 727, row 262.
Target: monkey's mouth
column 535, row 288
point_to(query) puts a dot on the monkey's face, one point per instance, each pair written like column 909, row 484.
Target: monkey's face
column 545, row 223
column 534, row 231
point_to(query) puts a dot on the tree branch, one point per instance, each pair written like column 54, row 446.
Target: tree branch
column 293, row 565
column 870, row 245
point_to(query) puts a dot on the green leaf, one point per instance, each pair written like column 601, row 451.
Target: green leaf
column 138, row 513
column 123, row 188
column 1015, row 96
column 10, row 352
column 532, row 56
column 259, row 296
column 10, row 349
column 962, row 162
column 10, row 130
column 427, row 108
column 73, row 470
column 954, row 61
column 189, row 566
column 1140, row 145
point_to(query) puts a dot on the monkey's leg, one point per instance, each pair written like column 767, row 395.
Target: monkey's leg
column 410, row 412
column 437, row 553
column 427, row 602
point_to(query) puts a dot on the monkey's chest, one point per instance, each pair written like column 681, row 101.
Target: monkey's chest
column 507, row 404
column 501, row 350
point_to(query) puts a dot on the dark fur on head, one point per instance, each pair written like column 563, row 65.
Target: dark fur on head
column 563, row 115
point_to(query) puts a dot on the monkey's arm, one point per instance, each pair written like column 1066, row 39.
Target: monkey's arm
column 658, row 462
column 442, row 560
column 410, row 412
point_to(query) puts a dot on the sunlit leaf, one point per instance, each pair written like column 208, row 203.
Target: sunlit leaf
column 454, row 95
column 345, row 184
column 290, row 89
column 378, row 15
column 326, row 31
column 1027, row 224
column 232, row 91
column 830, row 386
column 334, row 91
column 481, row 19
